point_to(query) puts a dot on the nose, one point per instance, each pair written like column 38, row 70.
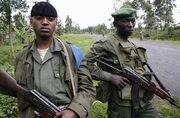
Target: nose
column 45, row 21
column 131, row 24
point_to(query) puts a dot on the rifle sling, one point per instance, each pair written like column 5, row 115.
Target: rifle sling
column 69, row 67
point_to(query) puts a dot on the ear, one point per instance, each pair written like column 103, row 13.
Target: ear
column 30, row 21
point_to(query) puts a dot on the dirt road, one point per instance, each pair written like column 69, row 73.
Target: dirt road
column 164, row 59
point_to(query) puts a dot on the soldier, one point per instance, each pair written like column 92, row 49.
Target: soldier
column 49, row 66
column 124, row 99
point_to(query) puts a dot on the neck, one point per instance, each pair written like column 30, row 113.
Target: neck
column 43, row 43
column 124, row 38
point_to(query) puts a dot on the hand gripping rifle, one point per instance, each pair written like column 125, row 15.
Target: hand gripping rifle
column 139, row 80
column 46, row 108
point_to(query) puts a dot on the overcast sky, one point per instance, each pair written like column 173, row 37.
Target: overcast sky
column 84, row 12
column 91, row 12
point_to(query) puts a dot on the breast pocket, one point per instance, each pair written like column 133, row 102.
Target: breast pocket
column 58, row 68
column 130, row 57
column 23, row 71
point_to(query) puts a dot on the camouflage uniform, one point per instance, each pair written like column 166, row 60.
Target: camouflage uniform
column 118, row 53
column 51, row 78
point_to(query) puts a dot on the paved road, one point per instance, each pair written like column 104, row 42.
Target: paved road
column 164, row 60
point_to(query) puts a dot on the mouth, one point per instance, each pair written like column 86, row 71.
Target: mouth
column 44, row 29
column 130, row 30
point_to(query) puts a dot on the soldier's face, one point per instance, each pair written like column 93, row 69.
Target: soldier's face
column 43, row 26
column 125, row 26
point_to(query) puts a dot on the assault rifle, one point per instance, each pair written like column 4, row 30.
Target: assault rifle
column 45, row 107
column 139, row 80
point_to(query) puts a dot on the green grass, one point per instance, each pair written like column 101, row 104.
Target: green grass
column 176, row 42
column 79, row 40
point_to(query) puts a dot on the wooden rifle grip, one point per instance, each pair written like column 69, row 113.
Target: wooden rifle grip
column 45, row 115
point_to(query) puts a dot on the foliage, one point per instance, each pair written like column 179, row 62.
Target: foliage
column 23, row 34
column 60, row 28
column 19, row 20
column 7, row 6
column 170, row 34
column 98, row 29
column 99, row 110
column 8, row 107
column 6, row 9
column 157, row 13
column 71, row 27
column 68, row 25
column 165, row 109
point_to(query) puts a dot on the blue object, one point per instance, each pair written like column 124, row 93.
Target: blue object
column 77, row 55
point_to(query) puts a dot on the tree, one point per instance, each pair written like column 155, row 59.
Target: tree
column 6, row 9
column 60, row 28
column 19, row 20
column 68, row 25
column 164, row 12
column 76, row 29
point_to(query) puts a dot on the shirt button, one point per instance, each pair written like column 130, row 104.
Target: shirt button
column 57, row 75
column 116, row 61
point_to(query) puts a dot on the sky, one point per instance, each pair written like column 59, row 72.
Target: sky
column 84, row 12
column 91, row 12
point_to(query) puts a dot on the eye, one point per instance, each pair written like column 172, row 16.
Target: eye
column 51, row 19
column 132, row 20
column 38, row 17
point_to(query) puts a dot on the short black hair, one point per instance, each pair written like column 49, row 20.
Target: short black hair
column 43, row 9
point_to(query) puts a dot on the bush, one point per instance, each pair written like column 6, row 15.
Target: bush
column 99, row 110
column 169, row 34
column 8, row 107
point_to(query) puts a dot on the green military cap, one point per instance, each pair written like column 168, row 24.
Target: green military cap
column 124, row 12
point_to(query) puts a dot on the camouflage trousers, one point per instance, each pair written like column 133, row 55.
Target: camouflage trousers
column 116, row 111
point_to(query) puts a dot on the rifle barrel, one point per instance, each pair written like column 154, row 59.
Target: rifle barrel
column 53, row 107
column 138, row 79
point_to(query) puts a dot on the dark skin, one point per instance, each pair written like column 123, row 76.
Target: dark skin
column 44, row 27
column 125, row 27
column 10, row 85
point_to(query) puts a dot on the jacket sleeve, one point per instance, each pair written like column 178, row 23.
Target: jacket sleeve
column 81, row 103
column 97, row 73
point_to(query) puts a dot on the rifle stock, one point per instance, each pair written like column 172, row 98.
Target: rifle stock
column 41, row 103
column 141, row 81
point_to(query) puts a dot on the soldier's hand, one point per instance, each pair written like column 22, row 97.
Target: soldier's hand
column 66, row 114
column 119, row 81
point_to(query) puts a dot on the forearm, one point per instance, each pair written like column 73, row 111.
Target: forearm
column 96, row 72
column 86, row 93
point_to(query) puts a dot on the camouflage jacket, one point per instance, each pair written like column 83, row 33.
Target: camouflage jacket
column 116, row 52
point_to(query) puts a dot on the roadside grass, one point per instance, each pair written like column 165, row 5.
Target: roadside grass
column 79, row 40
column 174, row 42
column 167, row 42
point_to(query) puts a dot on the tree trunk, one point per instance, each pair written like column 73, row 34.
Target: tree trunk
column 11, row 42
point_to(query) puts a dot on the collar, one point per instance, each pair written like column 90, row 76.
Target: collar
column 119, row 41
column 54, row 47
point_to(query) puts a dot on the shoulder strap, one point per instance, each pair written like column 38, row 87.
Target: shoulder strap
column 69, row 67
